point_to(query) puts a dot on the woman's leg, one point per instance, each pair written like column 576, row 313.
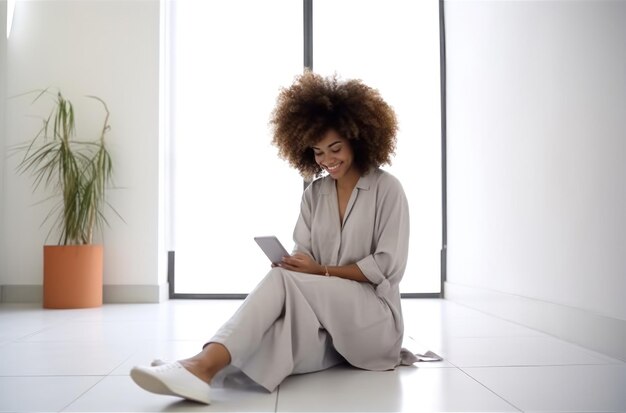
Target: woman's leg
column 255, row 316
column 206, row 364
column 242, row 334
column 276, row 332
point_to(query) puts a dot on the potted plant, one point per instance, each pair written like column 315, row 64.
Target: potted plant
column 77, row 172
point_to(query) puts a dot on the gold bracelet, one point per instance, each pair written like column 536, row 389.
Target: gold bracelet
column 326, row 269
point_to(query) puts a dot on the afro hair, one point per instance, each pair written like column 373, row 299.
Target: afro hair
column 313, row 105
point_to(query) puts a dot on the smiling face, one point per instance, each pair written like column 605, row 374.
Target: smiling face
column 335, row 155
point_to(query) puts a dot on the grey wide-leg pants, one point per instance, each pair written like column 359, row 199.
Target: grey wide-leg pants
column 280, row 329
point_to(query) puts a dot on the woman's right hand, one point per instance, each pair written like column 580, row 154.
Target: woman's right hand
column 300, row 262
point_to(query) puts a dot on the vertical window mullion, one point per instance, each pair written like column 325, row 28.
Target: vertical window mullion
column 307, row 12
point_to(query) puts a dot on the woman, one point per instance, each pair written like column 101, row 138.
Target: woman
column 336, row 298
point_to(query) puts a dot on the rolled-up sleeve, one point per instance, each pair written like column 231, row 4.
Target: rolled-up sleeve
column 385, row 266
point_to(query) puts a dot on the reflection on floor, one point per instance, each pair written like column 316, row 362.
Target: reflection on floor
column 79, row 360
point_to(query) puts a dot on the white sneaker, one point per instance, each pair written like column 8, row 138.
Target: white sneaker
column 172, row 379
column 157, row 362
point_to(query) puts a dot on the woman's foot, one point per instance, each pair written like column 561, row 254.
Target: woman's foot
column 198, row 369
column 190, row 365
column 172, row 379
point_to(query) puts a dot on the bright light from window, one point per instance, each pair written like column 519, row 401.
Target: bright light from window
column 10, row 10
column 231, row 58
column 393, row 45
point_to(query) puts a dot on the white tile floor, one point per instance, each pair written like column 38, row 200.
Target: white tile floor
column 78, row 360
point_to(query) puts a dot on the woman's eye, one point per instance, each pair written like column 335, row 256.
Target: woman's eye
column 336, row 150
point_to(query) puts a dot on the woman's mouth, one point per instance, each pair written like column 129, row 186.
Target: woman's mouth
column 333, row 168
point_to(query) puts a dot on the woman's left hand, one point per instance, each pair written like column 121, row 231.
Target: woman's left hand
column 302, row 263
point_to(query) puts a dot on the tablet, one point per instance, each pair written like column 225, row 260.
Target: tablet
column 272, row 247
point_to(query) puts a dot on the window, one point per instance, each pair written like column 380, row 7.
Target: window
column 228, row 60
column 393, row 45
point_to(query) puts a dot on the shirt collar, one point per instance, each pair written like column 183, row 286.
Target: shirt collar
column 364, row 182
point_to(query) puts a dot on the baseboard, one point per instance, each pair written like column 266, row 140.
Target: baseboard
column 135, row 293
column 21, row 293
column 600, row 333
column 110, row 293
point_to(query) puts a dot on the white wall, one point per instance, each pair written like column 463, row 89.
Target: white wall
column 3, row 80
column 109, row 49
column 537, row 163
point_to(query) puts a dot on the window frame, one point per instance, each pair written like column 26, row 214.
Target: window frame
column 308, row 64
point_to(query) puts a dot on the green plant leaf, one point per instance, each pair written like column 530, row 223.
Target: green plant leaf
column 77, row 171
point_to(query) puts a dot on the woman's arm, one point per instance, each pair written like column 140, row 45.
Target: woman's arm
column 303, row 263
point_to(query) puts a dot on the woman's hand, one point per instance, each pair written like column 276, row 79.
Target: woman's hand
column 301, row 263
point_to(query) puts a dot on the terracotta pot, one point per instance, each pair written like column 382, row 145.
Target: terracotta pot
column 72, row 276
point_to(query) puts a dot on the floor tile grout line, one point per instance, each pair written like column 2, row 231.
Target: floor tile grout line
column 600, row 358
column 82, row 394
column 461, row 369
column 129, row 357
column 534, row 365
column 276, row 402
column 483, row 385
column 24, row 338
column 467, row 370
column 50, row 376
column 539, row 331
column 491, row 390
